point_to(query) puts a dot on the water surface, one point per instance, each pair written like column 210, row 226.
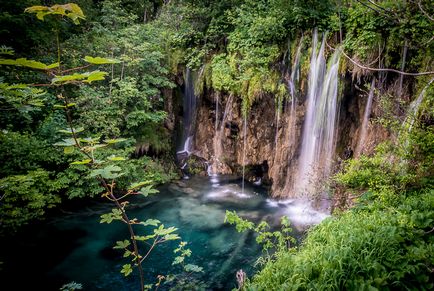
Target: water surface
column 76, row 247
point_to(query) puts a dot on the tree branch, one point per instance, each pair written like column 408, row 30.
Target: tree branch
column 423, row 11
column 376, row 69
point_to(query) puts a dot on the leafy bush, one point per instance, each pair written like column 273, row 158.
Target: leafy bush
column 25, row 197
column 372, row 248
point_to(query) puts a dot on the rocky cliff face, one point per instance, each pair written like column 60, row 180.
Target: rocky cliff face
column 271, row 158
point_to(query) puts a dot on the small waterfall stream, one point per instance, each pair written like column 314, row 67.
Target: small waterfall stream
column 293, row 90
column 414, row 108
column 319, row 131
column 244, row 151
column 364, row 128
column 219, row 127
column 189, row 115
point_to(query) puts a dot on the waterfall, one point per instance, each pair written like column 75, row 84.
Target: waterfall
column 217, row 141
column 295, row 71
column 414, row 108
column 293, row 81
column 278, row 108
column 404, row 57
column 363, row 130
column 244, row 151
column 219, row 133
column 189, row 114
column 318, row 139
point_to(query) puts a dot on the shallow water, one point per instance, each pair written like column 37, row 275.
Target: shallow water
column 76, row 247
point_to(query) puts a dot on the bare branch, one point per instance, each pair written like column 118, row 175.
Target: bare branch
column 419, row 3
column 376, row 69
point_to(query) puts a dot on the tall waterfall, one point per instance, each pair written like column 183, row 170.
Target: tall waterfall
column 319, row 131
column 189, row 114
column 363, row 131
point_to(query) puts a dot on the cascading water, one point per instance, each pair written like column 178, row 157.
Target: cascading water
column 318, row 140
column 219, row 128
column 293, row 81
column 278, row 109
column 363, row 131
column 414, row 108
column 189, row 114
column 244, row 151
column 295, row 71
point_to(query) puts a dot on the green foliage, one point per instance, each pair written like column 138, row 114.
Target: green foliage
column 21, row 152
column 25, row 197
column 388, row 249
column 274, row 241
column 387, row 27
column 71, row 286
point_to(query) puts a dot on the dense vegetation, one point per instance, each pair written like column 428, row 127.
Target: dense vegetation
column 385, row 241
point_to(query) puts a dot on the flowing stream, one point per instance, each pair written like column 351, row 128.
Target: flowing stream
column 75, row 247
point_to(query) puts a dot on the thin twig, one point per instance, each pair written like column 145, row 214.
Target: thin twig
column 77, row 68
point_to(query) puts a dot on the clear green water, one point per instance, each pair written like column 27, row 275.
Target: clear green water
column 76, row 247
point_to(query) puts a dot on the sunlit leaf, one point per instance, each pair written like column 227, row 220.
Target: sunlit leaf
column 145, row 237
column 161, row 231
column 89, row 139
column 116, row 159
column 82, row 162
column 23, row 62
column 70, row 10
column 68, row 150
column 126, row 269
column 122, row 244
column 95, row 76
column 116, row 214
column 139, row 185
column 66, row 142
column 153, row 222
column 69, row 131
column 171, row 237
column 112, row 141
column 100, row 61
column 146, row 191
column 109, row 172
column 68, row 78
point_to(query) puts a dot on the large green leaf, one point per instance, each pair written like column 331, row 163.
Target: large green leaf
column 70, row 10
column 66, row 142
column 109, row 172
column 100, row 61
column 122, row 244
column 23, row 62
column 82, row 162
column 126, row 269
column 87, row 77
